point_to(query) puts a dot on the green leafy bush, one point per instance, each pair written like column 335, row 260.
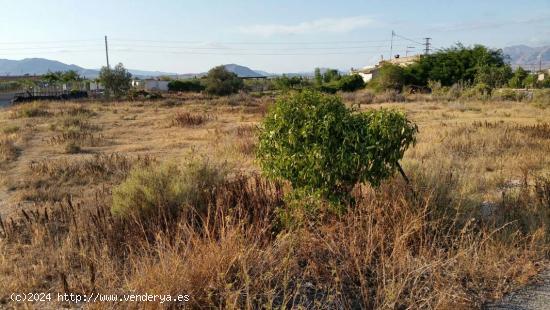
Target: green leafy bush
column 117, row 81
column 319, row 145
column 221, row 82
column 167, row 188
column 285, row 82
column 480, row 91
column 352, row 82
column 389, row 77
column 191, row 85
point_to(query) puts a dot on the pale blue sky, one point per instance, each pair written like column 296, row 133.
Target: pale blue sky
column 276, row 36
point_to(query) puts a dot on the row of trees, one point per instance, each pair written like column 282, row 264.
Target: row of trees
column 330, row 81
column 477, row 65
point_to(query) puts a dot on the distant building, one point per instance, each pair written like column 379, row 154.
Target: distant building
column 370, row 72
column 151, row 84
column 95, row 86
column 367, row 73
column 402, row 61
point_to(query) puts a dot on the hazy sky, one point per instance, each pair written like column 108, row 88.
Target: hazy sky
column 276, row 36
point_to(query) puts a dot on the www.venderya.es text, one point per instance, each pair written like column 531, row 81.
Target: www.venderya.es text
column 96, row 297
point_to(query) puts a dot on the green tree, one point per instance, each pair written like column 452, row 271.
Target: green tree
column 493, row 76
column 52, row 78
column 518, row 79
column 315, row 142
column 331, row 75
column 70, row 76
column 318, row 77
column 221, row 82
column 190, row 85
column 530, row 81
column 116, row 81
column 456, row 64
column 285, row 82
column 351, row 82
column 389, row 77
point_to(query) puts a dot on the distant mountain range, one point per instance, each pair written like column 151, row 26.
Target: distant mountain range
column 39, row 66
column 528, row 57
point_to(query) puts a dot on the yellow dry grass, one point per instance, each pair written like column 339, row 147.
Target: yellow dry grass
column 477, row 228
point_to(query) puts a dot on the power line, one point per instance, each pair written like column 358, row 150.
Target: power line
column 405, row 38
column 48, row 42
column 255, row 42
column 254, row 49
column 244, row 54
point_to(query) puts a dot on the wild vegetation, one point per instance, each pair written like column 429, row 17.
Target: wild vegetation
column 164, row 209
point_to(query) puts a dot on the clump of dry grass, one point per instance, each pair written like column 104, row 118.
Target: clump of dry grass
column 34, row 109
column 74, row 123
column 247, row 146
column 246, row 130
column 72, row 148
column 188, row 119
column 8, row 149
column 49, row 180
column 87, row 170
column 77, row 137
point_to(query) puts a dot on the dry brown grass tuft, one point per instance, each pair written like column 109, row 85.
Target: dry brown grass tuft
column 187, row 119
column 8, row 150
column 28, row 110
column 87, row 170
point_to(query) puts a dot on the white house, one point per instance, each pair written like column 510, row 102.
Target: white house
column 369, row 72
column 151, row 84
column 95, row 86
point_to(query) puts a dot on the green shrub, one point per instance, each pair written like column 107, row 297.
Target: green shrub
column 389, row 77
column 191, row 85
column 117, row 80
column 167, row 188
column 221, row 82
column 330, row 88
column 480, row 91
column 285, row 82
column 319, row 145
column 352, row 82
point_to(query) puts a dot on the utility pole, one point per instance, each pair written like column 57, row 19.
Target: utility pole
column 391, row 45
column 107, row 53
column 540, row 63
column 427, row 46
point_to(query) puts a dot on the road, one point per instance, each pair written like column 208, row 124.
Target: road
column 531, row 297
column 5, row 99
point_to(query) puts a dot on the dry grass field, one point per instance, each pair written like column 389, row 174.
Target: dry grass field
column 476, row 227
